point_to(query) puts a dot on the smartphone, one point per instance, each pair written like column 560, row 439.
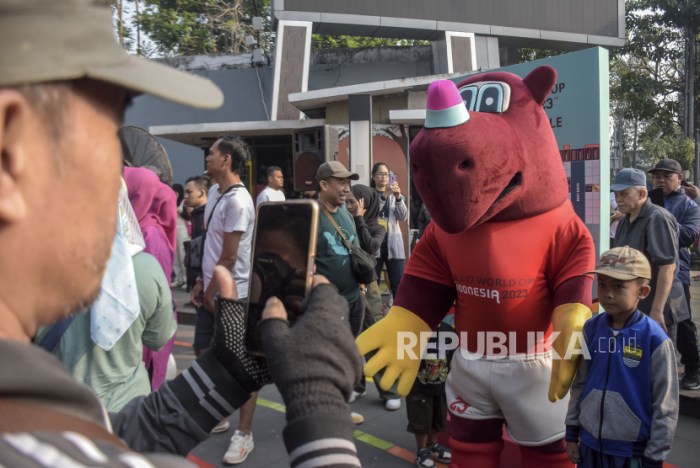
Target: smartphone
column 657, row 196
column 684, row 183
column 392, row 178
column 282, row 261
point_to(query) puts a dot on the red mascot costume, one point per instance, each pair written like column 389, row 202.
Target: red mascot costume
column 506, row 248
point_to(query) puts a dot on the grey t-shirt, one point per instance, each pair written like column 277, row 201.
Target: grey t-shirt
column 655, row 233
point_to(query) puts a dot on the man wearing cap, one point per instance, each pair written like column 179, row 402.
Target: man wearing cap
column 332, row 257
column 654, row 231
column 64, row 88
column 666, row 176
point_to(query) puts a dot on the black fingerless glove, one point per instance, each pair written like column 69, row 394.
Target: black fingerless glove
column 315, row 363
column 229, row 346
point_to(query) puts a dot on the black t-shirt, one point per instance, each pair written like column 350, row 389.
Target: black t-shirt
column 433, row 371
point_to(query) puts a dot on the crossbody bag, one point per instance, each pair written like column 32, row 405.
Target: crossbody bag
column 195, row 254
column 361, row 262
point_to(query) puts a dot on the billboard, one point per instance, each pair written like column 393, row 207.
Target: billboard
column 523, row 23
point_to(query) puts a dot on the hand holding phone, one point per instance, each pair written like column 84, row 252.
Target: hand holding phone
column 394, row 185
column 317, row 356
column 691, row 190
column 284, row 249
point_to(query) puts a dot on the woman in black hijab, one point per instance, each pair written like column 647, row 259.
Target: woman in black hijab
column 364, row 205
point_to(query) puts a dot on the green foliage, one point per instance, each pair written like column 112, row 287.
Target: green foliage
column 676, row 147
column 190, row 27
column 676, row 13
column 322, row 41
column 647, row 80
column 528, row 55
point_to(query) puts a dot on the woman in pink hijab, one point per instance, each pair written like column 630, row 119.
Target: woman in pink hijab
column 154, row 204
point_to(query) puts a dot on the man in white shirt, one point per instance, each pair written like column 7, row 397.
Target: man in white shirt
column 229, row 217
column 275, row 184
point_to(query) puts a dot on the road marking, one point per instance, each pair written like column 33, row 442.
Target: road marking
column 369, row 439
column 272, row 405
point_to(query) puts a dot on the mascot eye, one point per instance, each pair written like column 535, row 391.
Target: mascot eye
column 466, row 164
column 486, row 96
column 468, row 94
column 490, row 98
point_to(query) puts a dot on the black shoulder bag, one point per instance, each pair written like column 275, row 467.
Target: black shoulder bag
column 195, row 253
column 362, row 263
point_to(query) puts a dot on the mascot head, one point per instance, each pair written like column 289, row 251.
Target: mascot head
column 487, row 151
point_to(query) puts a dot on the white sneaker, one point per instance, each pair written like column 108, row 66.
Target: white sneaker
column 357, row 418
column 355, row 395
column 393, row 404
column 241, row 446
column 223, row 426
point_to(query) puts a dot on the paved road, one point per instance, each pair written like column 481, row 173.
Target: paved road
column 382, row 440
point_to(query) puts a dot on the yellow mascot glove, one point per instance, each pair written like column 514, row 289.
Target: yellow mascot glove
column 568, row 320
column 400, row 342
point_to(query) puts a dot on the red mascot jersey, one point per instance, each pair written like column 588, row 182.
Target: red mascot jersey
column 505, row 273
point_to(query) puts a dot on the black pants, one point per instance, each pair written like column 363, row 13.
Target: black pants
column 687, row 338
column 383, row 394
column 371, row 317
column 357, row 315
column 394, row 268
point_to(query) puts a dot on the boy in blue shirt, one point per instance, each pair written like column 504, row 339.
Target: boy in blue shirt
column 624, row 401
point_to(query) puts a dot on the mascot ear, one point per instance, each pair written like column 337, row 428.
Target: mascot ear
column 540, row 81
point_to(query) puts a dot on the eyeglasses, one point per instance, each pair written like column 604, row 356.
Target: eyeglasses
column 381, row 174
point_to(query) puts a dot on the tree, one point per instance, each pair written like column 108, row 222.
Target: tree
column 324, row 41
column 651, row 95
column 191, row 27
column 528, row 55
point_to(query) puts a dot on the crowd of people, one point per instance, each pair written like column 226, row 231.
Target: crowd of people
column 98, row 297
column 62, row 170
column 664, row 230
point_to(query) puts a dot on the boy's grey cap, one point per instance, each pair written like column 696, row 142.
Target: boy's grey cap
column 628, row 177
column 55, row 40
column 334, row 169
column 667, row 165
column 624, row 263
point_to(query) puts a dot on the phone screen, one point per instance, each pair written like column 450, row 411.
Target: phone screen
column 657, row 197
column 282, row 264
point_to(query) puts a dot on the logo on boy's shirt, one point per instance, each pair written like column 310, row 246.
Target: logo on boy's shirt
column 631, row 356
